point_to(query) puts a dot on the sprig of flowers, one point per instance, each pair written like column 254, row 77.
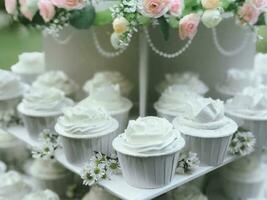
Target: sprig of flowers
column 100, row 167
column 49, row 145
column 188, row 162
column 242, row 143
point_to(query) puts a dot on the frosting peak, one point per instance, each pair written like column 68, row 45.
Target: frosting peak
column 30, row 62
column 57, row 79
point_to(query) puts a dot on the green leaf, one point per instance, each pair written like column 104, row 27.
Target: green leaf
column 174, row 23
column 143, row 20
column 103, row 18
column 164, row 27
column 83, row 18
column 261, row 20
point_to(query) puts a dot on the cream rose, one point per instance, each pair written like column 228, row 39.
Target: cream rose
column 210, row 4
column 120, row 25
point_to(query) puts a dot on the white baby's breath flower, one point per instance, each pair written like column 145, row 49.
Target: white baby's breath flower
column 188, row 161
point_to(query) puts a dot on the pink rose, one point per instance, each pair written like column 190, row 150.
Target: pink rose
column 69, row 4
column 25, row 10
column 248, row 14
column 188, row 26
column 177, row 7
column 47, row 10
column 154, row 8
column 260, row 4
column 11, row 6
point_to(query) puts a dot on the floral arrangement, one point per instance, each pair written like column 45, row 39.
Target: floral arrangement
column 188, row 162
column 48, row 147
column 100, row 167
column 127, row 16
column 242, row 143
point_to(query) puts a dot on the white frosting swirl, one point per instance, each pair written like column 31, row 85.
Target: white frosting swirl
column 149, row 135
column 42, row 101
column 42, row 195
column 81, row 121
column 205, row 117
column 57, row 79
column 108, row 78
column 236, row 80
column 252, row 102
column 30, row 63
column 10, row 85
column 187, row 78
column 174, row 99
column 108, row 97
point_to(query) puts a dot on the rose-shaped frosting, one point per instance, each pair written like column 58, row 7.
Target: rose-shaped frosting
column 205, row 117
column 174, row 99
column 149, row 135
column 188, row 192
column 85, row 121
column 108, row 97
column 188, row 78
column 57, row 79
column 252, row 102
column 154, row 8
column 30, row 63
column 236, row 80
column 42, row 195
column 107, row 78
column 43, row 101
column 10, row 85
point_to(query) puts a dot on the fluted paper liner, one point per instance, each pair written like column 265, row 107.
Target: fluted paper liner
column 148, row 172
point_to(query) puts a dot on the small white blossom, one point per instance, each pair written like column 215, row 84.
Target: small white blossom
column 188, row 161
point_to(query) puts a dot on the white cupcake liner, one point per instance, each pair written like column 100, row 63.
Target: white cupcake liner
column 35, row 125
column 211, row 151
column 79, row 150
column 148, row 172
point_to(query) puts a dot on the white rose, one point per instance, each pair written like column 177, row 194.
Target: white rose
column 211, row 18
column 115, row 40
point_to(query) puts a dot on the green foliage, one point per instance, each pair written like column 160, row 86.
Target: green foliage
column 83, row 18
column 164, row 27
column 103, row 18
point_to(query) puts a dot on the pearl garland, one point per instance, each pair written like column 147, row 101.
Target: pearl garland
column 61, row 41
column 164, row 54
column 225, row 52
column 104, row 52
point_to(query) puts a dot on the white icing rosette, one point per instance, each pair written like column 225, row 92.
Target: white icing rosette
column 29, row 66
column 84, row 130
column 59, row 80
column 148, row 146
column 104, row 78
column 207, row 131
column 41, row 107
column 173, row 101
column 109, row 97
column 249, row 110
column 190, row 79
column 236, row 80
column 42, row 195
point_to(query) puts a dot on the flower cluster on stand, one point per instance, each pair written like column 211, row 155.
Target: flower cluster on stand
column 100, row 167
column 48, row 147
column 242, row 143
column 188, row 161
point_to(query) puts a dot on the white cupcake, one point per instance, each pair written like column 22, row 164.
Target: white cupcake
column 12, row 186
column 243, row 178
column 173, row 101
column 11, row 91
column 98, row 193
column 3, row 167
column 49, row 174
column 42, row 195
column 249, row 109
column 185, row 192
column 29, row 66
column 149, row 148
column 41, row 107
column 12, row 151
column 235, row 81
column 83, row 130
column 109, row 78
column 108, row 97
column 206, row 130
column 189, row 79
column 260, row 66
column 59, row 80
